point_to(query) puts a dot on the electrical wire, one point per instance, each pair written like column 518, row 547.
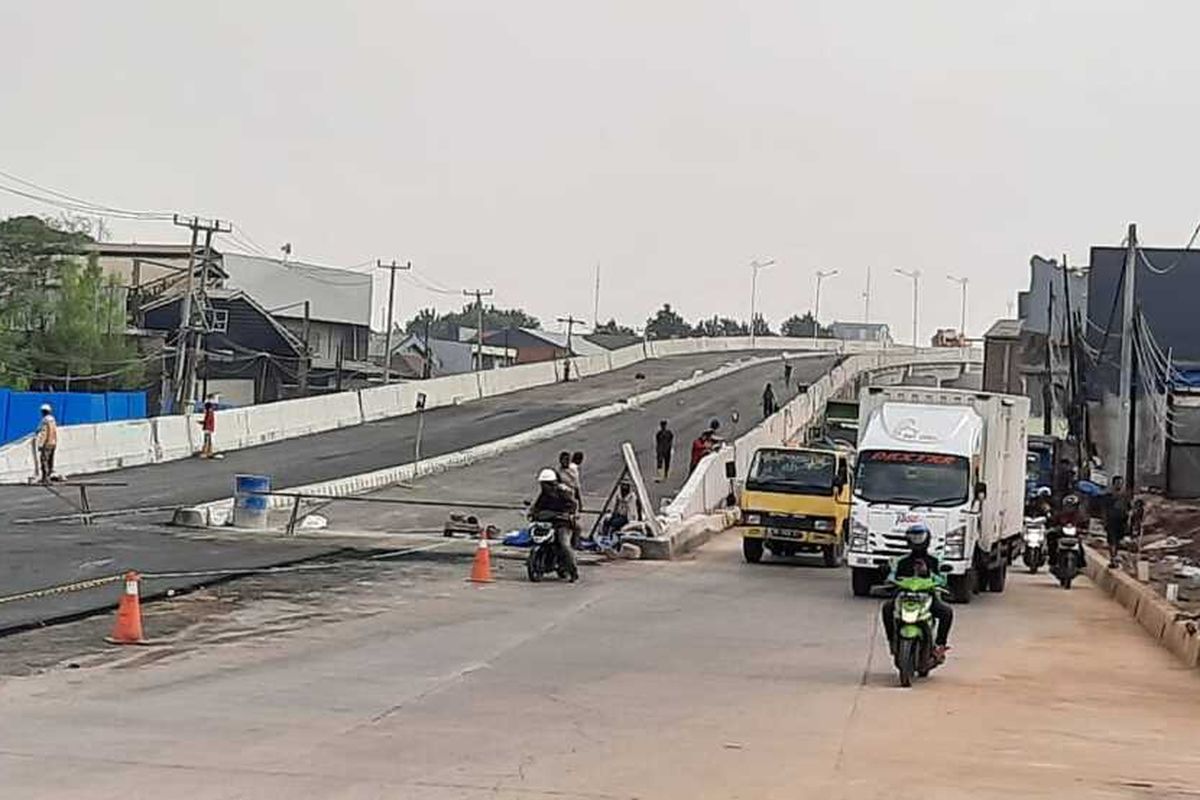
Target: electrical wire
column 70, row 203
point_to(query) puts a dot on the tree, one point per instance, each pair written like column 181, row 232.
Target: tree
column 761, row 328
column 667, row 324
column 445, row 326
column 721, row 326
column 615, row 328
column 59, row 316
column 802, row 327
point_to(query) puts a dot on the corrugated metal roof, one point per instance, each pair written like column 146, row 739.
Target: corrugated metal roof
column 1004, row 329
column 335, row 295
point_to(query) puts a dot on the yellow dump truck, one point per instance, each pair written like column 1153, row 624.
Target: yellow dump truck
column 796, row 500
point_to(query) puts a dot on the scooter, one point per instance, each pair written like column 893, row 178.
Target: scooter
column 915, row 626
column 1034, row 551
column 545, row 556
column 1067, row 558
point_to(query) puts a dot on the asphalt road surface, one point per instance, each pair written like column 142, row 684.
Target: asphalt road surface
column 511, row 478
column 706, row 678
column 48, row 554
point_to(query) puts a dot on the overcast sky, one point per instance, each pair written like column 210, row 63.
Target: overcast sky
column 513, row 145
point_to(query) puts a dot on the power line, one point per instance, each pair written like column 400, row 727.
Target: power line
column 72, row 203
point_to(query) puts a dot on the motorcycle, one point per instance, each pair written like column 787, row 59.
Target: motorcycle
column 1034, row 550
column 545, row 556
column 915, row 627
column 1067, row 558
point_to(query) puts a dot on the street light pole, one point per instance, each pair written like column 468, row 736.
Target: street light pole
column 915, row 276
column 755, row 266
column 817, row 301
column 962, row 325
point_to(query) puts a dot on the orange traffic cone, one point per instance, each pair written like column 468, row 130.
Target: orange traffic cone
column 481, row 570
column 128, row 629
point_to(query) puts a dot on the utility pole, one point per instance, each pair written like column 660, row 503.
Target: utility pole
column 387, row 339
column 1131, row 440
column 307, row 353
column 596, row 300
column 187, row 339
column 1073, row 426
column 755, row 266
column 962, row 319
column 866, row 295
column 817, row 301
column 1127, row 332
column 478, row 294
column 571, row 322
column 1048, row 379
column 915, row 276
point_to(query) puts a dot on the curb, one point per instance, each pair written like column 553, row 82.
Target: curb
column 1157, row 617
column 686, row 536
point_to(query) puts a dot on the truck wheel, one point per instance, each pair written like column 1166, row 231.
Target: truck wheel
column 997, row 577
column 832, row 555
column 962, row 587
column 861, row 581
column 752, row 549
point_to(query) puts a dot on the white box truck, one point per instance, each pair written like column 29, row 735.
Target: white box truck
column 951, row 459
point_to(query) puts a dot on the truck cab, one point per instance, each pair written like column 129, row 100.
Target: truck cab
column 796, row 500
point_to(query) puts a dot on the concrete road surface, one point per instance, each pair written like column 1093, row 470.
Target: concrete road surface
column 706, row 678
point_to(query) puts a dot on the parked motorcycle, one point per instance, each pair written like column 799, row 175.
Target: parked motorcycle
column 546, row 556
column 915, row 627
column 1067, row 557
column 1034, row 550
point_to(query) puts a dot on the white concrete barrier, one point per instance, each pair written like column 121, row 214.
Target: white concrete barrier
column 176, row 437
column 112, row 444
column 17, row 463
column 104, row 446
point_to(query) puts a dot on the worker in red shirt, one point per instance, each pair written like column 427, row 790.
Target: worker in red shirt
column 209, row 425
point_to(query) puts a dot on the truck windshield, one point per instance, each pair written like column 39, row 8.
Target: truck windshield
column 912, row 479
column 792, row 471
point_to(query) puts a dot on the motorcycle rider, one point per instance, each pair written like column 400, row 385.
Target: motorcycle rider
column 555, row 504
column 920, row 563
column 1040, row 505
column 1069, row 514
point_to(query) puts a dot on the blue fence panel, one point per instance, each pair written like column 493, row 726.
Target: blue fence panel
column 24, row 413
column 137, row 405
column 116, row 405
column 20, row 412
column 79, row 408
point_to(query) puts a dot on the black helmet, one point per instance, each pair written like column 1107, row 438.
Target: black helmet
column 918, row 536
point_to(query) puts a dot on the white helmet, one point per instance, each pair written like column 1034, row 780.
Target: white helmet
column 46, row 409
column 547, row 475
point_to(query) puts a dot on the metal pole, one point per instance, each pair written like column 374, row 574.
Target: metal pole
column 755, row 266
column 185, row 320
column 867, row 298
column 387, row 339
column 915, row 277
column 304, row 362
column 1127, row 328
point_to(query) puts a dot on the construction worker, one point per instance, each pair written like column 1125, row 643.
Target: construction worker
column 664, row 443
column 46, row 442
column 209, row 426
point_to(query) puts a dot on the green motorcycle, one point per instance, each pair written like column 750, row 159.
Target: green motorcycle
column 915, row 626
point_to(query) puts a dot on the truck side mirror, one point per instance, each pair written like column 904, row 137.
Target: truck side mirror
column 980, row 490
column 945, row 569
column 731, row 469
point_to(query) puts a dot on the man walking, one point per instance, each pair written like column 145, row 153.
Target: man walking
column 47, row 442
column 768, row 401
column 1116, row 517
column 664, row 443
column 787, row 375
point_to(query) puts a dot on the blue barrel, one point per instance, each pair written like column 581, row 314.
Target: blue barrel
column 249, row 505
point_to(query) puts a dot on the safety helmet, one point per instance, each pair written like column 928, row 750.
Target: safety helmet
column 1071, row 501
column 917, row 536
column 1043, row 491
column 46, row 409
column 547, row 475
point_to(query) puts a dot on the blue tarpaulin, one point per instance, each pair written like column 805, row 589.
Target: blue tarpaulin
column 21, row 411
